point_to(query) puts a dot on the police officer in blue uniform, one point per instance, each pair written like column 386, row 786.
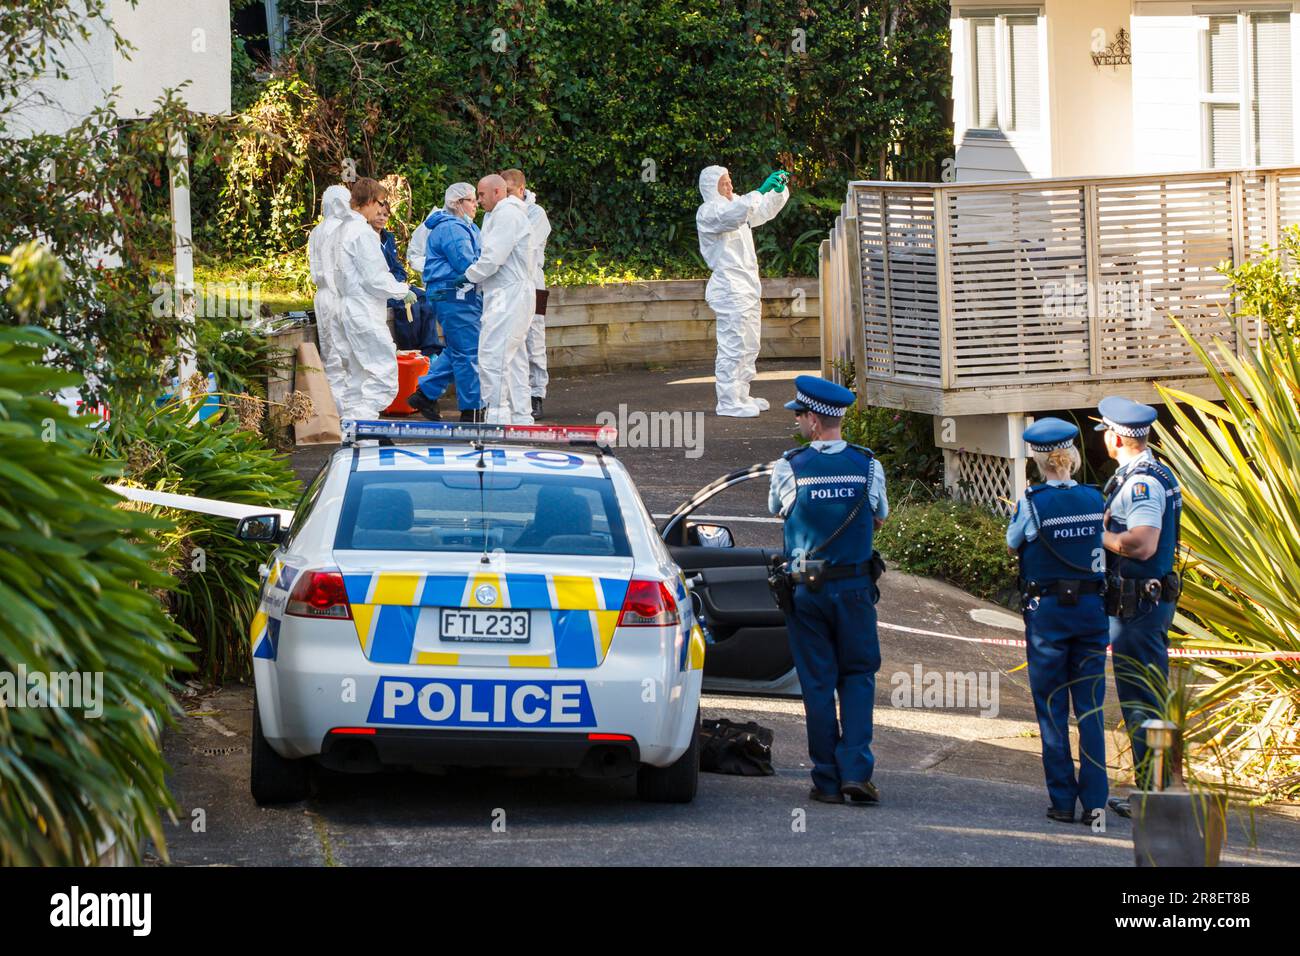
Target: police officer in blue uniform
column 1143, row 509
column 832, row 496
column 1057, row 530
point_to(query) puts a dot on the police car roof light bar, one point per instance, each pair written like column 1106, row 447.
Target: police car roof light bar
column 597, row 435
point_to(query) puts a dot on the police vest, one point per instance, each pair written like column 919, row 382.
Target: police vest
column 827, row 488
column 1162, row 561
column 1068, row 544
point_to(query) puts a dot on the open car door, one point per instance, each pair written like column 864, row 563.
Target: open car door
column 748, row 651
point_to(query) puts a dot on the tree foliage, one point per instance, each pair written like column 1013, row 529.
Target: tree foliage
column 614, row 106
column 94, row 196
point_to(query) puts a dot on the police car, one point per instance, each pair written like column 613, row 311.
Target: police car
column 484, row 596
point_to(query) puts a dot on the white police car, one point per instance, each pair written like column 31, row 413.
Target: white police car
column 469, row 601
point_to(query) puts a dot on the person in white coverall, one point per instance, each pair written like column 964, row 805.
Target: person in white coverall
column 322, row 257
column 535, row 346
column 503, row 271
column 365, row 286
column 725, row 224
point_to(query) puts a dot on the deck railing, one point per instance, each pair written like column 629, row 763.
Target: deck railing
column 989, row 286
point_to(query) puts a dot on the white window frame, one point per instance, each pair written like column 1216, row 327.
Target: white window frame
column 1244, row 98
column 1002, row 69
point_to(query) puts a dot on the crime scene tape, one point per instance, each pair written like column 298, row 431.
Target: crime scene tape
column 1173, row 651
column 207, row 506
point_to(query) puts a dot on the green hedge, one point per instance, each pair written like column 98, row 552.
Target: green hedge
column 962, row 544
column 612, row 107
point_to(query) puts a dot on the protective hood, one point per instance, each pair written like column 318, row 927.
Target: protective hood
column 709, row 177
column 530, row 198
column 437, row 217
column 336, row 203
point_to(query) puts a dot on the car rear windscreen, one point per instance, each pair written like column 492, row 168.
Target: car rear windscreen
column 473, row 512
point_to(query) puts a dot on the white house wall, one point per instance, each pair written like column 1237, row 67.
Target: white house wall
column 178, row 42
column 66, row 102
column 1092, row 106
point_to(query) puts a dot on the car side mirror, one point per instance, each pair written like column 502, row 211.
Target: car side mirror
column 263, row 529
column 711, row 536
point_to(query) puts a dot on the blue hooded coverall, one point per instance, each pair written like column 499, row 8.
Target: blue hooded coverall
column 453, row 246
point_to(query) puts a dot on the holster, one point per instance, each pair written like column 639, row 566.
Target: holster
column 1125, row 596
column 781, row 585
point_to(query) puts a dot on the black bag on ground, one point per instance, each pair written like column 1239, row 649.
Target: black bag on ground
column 743, row 749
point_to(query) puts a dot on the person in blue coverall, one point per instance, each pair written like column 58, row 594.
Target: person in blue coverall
column 453, row 246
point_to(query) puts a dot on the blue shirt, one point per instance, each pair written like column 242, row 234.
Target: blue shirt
column 1140, row 501
column 781, row 493
column 1023, row 527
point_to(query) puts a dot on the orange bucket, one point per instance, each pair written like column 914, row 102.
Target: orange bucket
column 410, row 366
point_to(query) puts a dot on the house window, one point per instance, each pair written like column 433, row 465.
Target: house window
column 1246, row 90
column 1005, row 76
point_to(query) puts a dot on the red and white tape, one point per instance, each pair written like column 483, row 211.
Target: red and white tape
column 1173, row 651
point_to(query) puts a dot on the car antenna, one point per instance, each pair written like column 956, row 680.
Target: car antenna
column 485, row 558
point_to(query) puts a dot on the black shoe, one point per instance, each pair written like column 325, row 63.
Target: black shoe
column 537, row 408
column 821, row 796
column 1060, row 816
column 474, row 415
column 424, row 405
column 1120, row 806
column 863, row 791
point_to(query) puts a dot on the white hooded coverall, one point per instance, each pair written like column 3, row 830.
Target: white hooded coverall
column 504, row 272
column 369, row 355
column 536, row 357
column 322, row 258
column 415, row 249
column 734, row 292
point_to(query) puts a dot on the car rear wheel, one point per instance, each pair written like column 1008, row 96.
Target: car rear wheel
column 677, row 782
column 275, row 779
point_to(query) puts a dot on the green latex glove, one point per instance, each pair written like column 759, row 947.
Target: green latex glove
column 775, row 181
column 410, row 298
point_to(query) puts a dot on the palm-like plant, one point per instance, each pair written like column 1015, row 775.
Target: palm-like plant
column 1239, row 466
column 77, row 585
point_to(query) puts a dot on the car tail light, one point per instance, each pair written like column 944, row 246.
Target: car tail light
column 319, row 594
column 648, row 604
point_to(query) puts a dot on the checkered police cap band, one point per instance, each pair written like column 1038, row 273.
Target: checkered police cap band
column 1128, row 431
column 1054, row 446
column 821, row 408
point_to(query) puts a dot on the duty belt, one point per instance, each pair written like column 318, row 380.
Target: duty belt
column 1065, row 590
column 818, row 572
column 1125, row 594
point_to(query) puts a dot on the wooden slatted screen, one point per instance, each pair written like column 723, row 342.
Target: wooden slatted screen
column 1019, row 271
column 1163, row 241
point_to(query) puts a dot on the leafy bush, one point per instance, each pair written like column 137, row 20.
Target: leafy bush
column 1266, row 290
column 215, row 593
column 93, row 197
column 960, row 543
column 1239, row 466
column 612, row 106
column 903, row 441
column 77, row 574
